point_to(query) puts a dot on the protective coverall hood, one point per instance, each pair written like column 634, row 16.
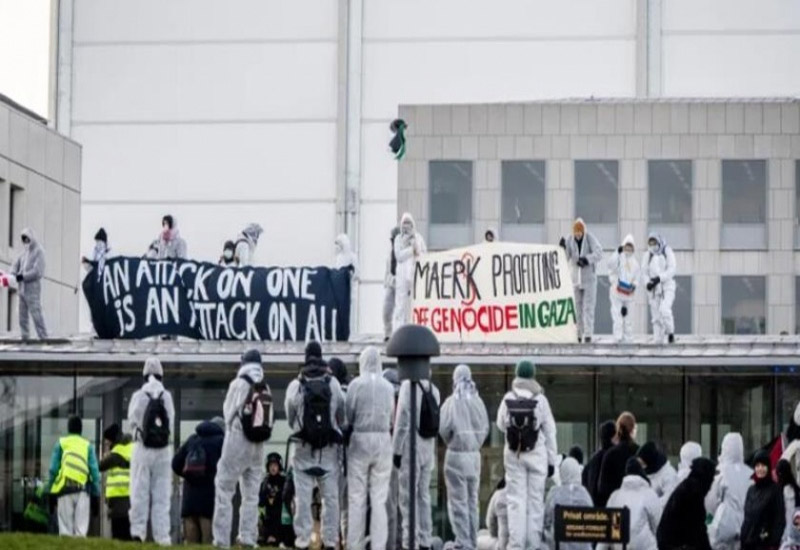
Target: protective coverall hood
column 660, row 243
column 342, row 243
column 152, row 366
column 527, row 384
column 28, row 232
column 408, row 218
column 369, row 362
column 570, row 472
column 792, row 532
column 254, row 371
column 732, row 449
column 689, row 452
column 628, row 240
column 253, row 232
column 463, row 385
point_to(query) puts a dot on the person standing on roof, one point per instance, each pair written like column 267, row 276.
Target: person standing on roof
column 389, row 283
column 29, row 271
column 408, row 247
column 623, row 276
column 246, row 244
column 171, row 246
column 658, row 274
column 584, row 252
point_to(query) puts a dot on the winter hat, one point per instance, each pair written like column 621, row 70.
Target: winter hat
column 703, row 470
column 169, row 220
column 152, row 366
column 577, row 453
column 101, row 235
column 608, row 430
column 634, row 468
column 762, row 457
column 112, row 433
column 74, row 425
column 275, row 458
column 219, row 421
column 653, row 458
column 579, row 226
column 313, row 352
column 526, row 369
column 338, row 369
column 250, row 357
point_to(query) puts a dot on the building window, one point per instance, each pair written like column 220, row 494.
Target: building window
column 681, row 308
column 670, row 201
column 744, row 204
column 744, row 308
column 797, row 204
column 602, row 310
column 523, row 197
column 15, row 215
column 450, row 203
column 797, row 305
column 596, row 198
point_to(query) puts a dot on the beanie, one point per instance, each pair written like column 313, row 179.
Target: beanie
column 75, row 425
column 653, row 459
column 608, row 430
column 251, row 356
column 112, row 433
column 313, row 352
column 338, row 369
column 526, row 369
column 153, row 366
column 101, row 235
column 634, row 468
column 577, row 453
column 579, row 226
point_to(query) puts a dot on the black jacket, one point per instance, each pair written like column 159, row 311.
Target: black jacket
column 270, row 499
column 591, row 473
column 612, row 470
column 198, row 497
column 764, row 515
column 683, row 523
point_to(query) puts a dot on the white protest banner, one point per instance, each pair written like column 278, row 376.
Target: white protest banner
column 496, row 292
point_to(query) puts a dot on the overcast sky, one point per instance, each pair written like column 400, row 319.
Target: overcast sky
column 24, row 52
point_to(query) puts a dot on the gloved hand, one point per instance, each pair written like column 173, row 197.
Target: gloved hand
column 19, row 277
column 94, row 505
column 624, row 311
column 562, row 243
column 582, row 262
column 653, row 283
column 397, row 459
column 619, row 250
column 551, row 470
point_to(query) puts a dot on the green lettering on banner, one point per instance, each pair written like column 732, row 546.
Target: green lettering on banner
column 553, row 314
column 570, row 311
column 527, row 315
column 544, row 314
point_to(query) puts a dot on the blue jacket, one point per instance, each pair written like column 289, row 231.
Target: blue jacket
column 93, row 486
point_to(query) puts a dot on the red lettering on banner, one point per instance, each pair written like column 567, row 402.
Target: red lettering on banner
column 511, row 317
column 486, row 319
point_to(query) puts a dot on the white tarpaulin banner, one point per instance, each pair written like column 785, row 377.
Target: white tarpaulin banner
column 496, row 292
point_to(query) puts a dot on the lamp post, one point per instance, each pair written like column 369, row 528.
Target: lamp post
column 413, row 345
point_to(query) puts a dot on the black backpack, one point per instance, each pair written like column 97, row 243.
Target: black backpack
column 256, row 414
column 155, row 428
column 317, row 430
column 428, row 414
column 523, row 429
column 194, row 466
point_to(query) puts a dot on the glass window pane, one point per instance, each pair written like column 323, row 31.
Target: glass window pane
column 670, row 192
column 450, row 192
column 596, row 185
column 744, row 191
column 681, row 308
column 522, row 193
column 797, row 305
column 744, row 305
column 797, row 204
column 602, row 310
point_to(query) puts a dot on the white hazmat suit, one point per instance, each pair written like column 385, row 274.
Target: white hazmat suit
column 389, row 286
column 29, row 271
column 583, row 256
column 408, row 246
column 526, row 473
column 569, row 493
column 623, row 277
column 246, row 244
column 645, row 509
column 464, row 425
column 344, row 254
column 370, row 403
column 425, row 459
column 658, row 273
column 689, row 451
column 495, row 536
column 725, row 501
column 242, row 462
column 151, row 469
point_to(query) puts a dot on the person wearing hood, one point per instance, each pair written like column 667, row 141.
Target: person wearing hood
column 791, row 540
column 228, row 258
column 246, row 244
column 276, row 524
column 117, row 462
column 394, row 526
column 151, row 414
column 495, row 537
column 591, row 473
column 689, row 451
column 569, row 493
column 683, row 523
column 529, row 455
column 662, row 476
column 644, row 504
column 725, row 500
column 99, row 254
column 196, row 462
column 789, row 488
column 345, row 256
column 315, row 410
column 408, row 247
column 464, row 427
column 389, row 284
column 370, row 403
column 584, row 252
column 28, row 269
column 623, row 276
column 171, row 246
column 242, row 458
column 428, row 399
column 764, row 516
column 658, row 275
column 612, row 470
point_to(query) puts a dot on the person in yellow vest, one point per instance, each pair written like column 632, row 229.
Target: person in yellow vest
column 117, row 462
column 73, row 477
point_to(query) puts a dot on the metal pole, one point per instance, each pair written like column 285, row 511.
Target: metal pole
column 412, row 464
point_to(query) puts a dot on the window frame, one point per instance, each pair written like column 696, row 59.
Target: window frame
column 722, row 278
column 431, row 238
column 690, row 245
column 765, row 246
column 603, row 226
column 540, row 227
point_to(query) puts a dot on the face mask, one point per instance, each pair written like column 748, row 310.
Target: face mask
column 628, row 253
column 228, row 254
column 407, row 229
column 653, row 249
column 99, row 244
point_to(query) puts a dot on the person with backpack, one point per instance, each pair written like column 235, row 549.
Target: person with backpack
column 464, row 427
column 427, row 396
column 529, row 456
column 196, row 462
column 725, row 500
column 315, row 410
column 249, row 413
column 276, row 519
column 117, row 462
column 658, row 274
column 369, row 407
column 764, row 516
column 151, row 414
column 246, row 244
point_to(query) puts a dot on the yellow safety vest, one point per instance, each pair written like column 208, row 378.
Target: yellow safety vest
column 118, row 482
column 74, row 462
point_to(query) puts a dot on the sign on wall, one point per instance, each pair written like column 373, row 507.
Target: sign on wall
column 496, row 292
column 137, row 298
column 592, row 525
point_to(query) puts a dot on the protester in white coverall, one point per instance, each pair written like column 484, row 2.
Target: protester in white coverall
column 623, row 277
column 527, row 472
column 151, row 468
column 689, row 451
column 464, row 425
column 310, row 466
column 345, row 257
column 569, row 493
column 725, row 501
column 370, row 403
column 242, row 461
column 408, row 247
column 644, row 505
column 97, row 259
column 28, row 269
column 425, row 460
column 171, row 246
column 584, row 252
column 662, row 476
column 246, row 244
column 658, row 276
column 389, row 287
column 495, row 536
